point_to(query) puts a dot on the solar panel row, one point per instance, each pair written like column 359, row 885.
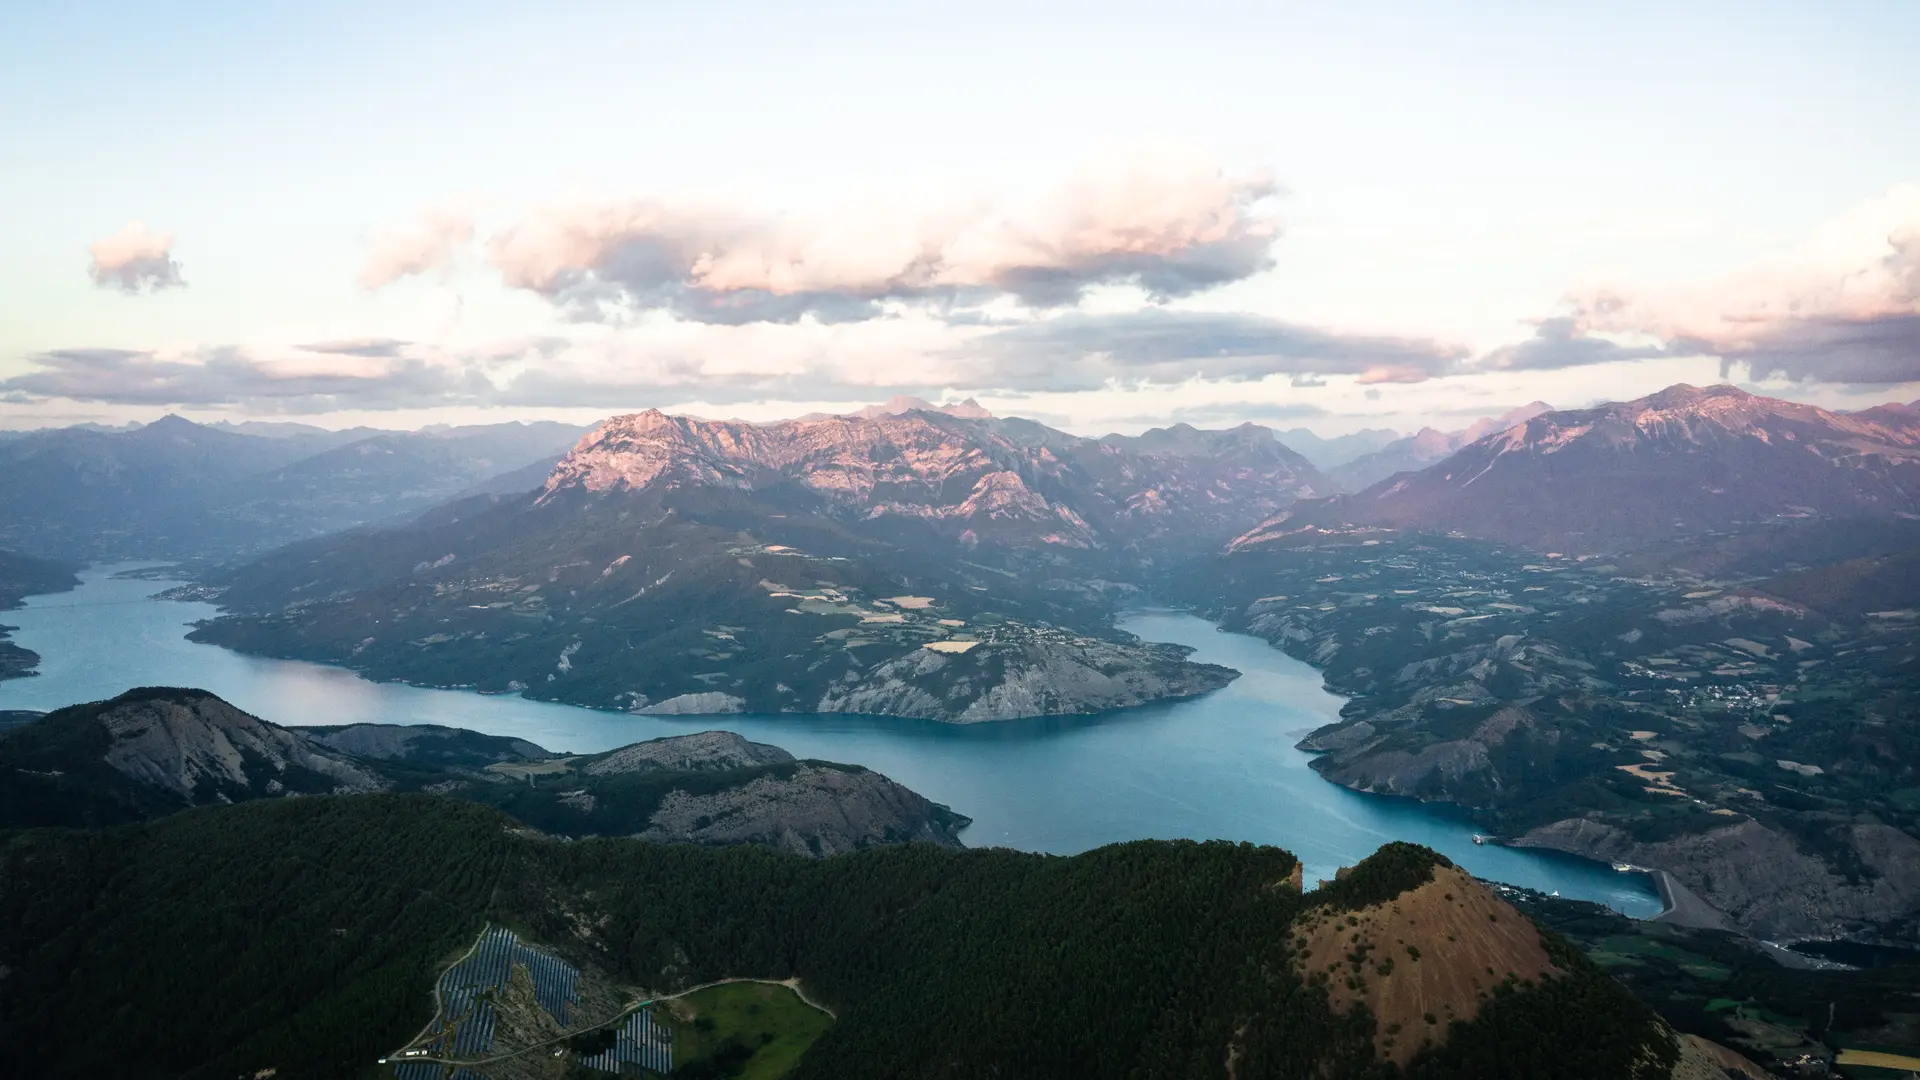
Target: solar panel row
column 640, row 1042
column 474, row 1033
column 554, row 980
column 467, row 1021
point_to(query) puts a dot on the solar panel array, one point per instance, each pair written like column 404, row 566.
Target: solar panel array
column 417, row 1070
column 468, row 1023
column 640, row 1042
column 553, row 980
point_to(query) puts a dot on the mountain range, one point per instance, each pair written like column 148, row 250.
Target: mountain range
column 1423, row 448
column 1328, row 454
column 1003, row 484
column 176, row 489
column 1684, row 461
column 923, row 564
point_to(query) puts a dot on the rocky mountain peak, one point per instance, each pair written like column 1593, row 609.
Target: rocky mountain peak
column 1682, row 395
column 1681, row 415
column 172, row 422
column 906, row 403
column 163, row 748
column 705, row 751
column 1022, row 482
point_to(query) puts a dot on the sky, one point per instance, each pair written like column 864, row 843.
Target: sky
column 1105, row 216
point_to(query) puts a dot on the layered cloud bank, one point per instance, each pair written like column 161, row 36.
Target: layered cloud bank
column 1093, row 288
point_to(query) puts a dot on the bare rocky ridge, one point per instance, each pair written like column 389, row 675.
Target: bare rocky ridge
column 819, row 810
column 1760, row 878
column 197, row 744
column 155, row 751
column 422, row 742
column 1038, row 679
column 1002, row 481
column 705, row 751
column 700, row 703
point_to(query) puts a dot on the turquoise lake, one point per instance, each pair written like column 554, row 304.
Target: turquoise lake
column 1220, row 766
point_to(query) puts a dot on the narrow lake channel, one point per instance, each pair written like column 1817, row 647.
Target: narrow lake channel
column 1221, row 766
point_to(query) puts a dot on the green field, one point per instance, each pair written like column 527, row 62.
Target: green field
column 754, row 1031
column 1619, row 949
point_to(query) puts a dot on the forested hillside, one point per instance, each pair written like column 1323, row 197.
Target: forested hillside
column 302, row 935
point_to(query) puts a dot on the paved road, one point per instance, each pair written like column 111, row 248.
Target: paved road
column 791, row 984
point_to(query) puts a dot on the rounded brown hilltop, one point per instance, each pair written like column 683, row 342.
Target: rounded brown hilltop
column 1420, row 960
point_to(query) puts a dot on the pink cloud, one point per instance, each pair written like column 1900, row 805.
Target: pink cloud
column 1169, row 225
column 135, row 260
column 1843, row 306
column 426, row 246
column 1393, row 373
